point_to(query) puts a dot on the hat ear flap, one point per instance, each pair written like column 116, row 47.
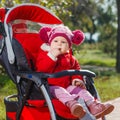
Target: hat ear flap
column 44, row 33
column 78, row 37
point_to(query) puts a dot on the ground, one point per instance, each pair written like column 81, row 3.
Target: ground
column 115, row 114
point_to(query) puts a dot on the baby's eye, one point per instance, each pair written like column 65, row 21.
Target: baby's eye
column 64, row 42
column 55, row 40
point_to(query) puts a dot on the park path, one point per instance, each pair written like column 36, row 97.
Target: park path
column 115, row 114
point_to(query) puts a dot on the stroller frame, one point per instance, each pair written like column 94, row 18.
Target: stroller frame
column 8, row 59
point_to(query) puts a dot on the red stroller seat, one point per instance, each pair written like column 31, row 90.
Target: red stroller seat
column 31, row 49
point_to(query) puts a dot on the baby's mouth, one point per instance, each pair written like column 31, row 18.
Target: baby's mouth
column 59, row 49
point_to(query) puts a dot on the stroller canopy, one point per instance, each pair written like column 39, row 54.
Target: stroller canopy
column 33, row 13
column 30, row 12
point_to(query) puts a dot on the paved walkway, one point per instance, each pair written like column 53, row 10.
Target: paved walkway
column 115, row 114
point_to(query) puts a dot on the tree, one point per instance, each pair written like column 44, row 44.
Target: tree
column 84, row 15
column 118, row 38
column 107, row 30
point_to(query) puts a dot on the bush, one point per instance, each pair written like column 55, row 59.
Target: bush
column 2, row 70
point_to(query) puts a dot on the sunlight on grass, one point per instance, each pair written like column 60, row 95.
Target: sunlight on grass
column 108, row 87
column 2, row 108
column 94, row 57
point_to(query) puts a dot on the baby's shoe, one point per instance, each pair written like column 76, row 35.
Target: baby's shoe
column 76, row 109
column 109, row 108
column 99, row 109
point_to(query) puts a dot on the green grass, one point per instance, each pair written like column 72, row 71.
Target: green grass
column 94, row 57
column 6, row 88
column 108, row 87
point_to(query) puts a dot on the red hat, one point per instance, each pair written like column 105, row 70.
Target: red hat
column 48, row 34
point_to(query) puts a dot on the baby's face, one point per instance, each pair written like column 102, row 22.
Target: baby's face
column 61, row 44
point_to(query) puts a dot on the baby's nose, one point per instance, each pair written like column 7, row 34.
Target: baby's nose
column 58, row 44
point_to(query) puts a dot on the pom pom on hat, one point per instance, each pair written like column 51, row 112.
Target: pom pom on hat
column 44, row 33
column 78, row 37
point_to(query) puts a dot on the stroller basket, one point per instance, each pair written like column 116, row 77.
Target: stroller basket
column 11, row 105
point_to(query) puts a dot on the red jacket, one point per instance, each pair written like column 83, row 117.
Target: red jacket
column 64, row 62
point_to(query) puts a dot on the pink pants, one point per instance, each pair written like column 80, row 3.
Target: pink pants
column 70, row 93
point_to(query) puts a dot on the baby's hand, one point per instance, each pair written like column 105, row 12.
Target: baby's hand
column 79, row 83
column 55, row 51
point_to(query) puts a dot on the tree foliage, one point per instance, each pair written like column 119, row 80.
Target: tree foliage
column 118, row 38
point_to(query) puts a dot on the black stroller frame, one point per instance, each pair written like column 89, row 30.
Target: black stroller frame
column 13, row 59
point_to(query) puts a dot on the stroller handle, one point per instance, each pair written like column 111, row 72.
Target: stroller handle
column 30, row 74
column 38, row 77
column 70, row 73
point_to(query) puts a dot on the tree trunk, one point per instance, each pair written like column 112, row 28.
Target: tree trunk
column 118, row 38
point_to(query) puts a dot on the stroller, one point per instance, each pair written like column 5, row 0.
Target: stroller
column 17, row 55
